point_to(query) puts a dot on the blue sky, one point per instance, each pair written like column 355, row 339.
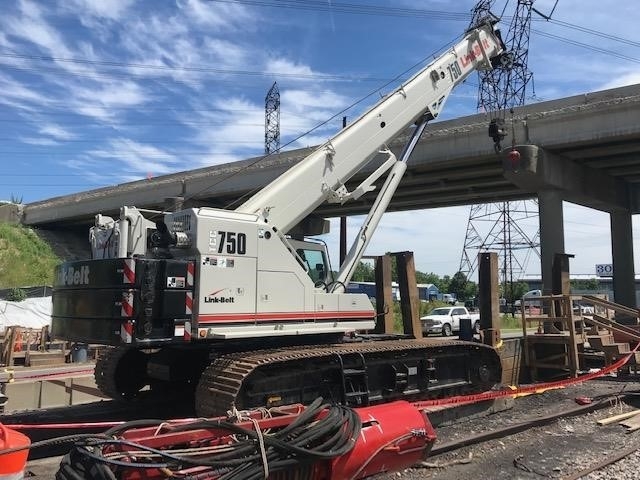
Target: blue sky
column 96, row 93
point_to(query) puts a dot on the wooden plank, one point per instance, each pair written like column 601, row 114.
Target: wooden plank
column 611, row 325
column 616, row 418
column 632, row 423
column 613, row 306
column 39, row 359
column 547, row 318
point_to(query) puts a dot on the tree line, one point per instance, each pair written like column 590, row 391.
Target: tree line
column 460, row 285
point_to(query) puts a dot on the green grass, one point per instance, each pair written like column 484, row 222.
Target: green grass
column 509, row 322
column 25, row 259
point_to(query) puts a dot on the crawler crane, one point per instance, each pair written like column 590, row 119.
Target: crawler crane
column 234, row 306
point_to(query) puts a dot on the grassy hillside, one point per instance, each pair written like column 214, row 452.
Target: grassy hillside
column 25, row 259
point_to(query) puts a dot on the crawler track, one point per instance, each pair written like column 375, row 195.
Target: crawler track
column 355, row 374
column 120, row 372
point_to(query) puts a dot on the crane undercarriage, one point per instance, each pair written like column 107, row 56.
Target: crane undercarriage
column 350, row 373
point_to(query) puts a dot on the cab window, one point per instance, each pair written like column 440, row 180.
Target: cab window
column 315, row 261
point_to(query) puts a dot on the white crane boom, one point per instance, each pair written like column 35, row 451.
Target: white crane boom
column 322, row 175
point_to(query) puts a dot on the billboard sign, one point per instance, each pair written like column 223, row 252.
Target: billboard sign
column 604, row 270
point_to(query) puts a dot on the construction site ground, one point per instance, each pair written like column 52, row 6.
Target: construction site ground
column 556, row 450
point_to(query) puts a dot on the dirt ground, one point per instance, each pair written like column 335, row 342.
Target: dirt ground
column 555, row 450
column 551, row 451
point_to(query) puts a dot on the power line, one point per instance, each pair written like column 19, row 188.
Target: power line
column 337, row 7
column 118, row 153
column 88, row 175
column 369, row 9
column 137, row 140
column 219, row 71
column 569, row 41
column 108, row 122
column 597, row 33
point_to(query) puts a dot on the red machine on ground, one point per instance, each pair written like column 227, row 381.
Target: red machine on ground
column 319, row 442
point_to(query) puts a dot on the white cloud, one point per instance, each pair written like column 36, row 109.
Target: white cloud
column 105, row 9
column 56, row 131
column 287, row 67
column 33, row 28
column 16, row 94
column 43, row 142
column 218, row 15
column 134, row 156
column 629, row 78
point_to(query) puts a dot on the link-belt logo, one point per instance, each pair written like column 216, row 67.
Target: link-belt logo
column 215, row 297
column 74, row 276
column 474, row 52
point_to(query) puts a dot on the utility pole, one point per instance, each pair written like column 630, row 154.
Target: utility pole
column 272, row 120
column 502, row 227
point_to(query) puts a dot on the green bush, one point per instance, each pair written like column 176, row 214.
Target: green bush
column 16, row 295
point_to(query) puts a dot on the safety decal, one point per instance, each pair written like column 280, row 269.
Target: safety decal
column 188, row 303
column 191, row 268
column 126, row 332
column 126, row 309
column 129, row 271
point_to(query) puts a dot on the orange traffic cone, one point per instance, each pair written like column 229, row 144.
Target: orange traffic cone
column 12, row 465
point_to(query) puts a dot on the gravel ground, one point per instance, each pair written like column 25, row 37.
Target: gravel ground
column 556, row 450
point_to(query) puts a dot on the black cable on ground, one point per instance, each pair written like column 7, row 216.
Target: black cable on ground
column 306, row 440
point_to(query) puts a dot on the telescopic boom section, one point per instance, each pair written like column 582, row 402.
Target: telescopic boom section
column 321, row 176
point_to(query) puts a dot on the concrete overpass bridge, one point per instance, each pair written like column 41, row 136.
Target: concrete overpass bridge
column 583, row 149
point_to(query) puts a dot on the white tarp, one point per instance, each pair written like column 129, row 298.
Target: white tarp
column 30, row 313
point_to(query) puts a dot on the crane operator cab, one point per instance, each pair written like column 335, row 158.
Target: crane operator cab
column 314, row 260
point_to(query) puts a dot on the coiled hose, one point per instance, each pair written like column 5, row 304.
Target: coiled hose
column 253, row 454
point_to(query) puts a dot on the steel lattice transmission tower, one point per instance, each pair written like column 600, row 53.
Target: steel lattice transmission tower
column 502, row 227
column 272, row 120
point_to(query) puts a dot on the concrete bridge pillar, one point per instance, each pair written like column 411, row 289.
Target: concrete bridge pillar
column 624, row 286
column 551, row 234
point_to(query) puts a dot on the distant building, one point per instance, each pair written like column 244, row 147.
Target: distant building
column 605, row 285
column 428, row 291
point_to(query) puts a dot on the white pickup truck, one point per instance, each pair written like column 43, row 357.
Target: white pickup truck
column 446, row 320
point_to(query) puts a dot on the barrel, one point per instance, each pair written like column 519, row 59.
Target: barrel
column 12, row 465
column 79, row 352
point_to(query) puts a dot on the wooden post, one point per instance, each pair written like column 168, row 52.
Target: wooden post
column 384, row 295
column 560, row 285
column 574, row 358
column 488, row 294
column 410, row 303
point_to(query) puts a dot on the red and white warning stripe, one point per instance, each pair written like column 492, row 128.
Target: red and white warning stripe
column 191, row 269
column 129, row 271
column 126, row 332
column 188, row 303
column 187, row 331
column 127, row 304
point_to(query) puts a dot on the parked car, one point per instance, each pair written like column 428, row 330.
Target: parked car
column 449, row 298
column 583, row 309
column 446, row 320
